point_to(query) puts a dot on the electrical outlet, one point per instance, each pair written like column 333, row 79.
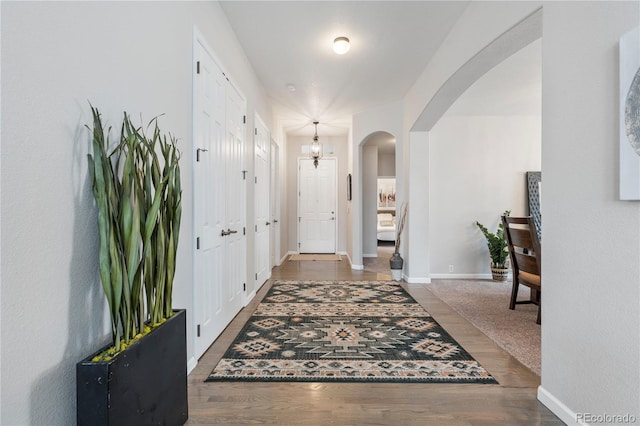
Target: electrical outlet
column 450, row 268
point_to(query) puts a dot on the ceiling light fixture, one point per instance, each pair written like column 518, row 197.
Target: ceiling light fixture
column 341, row 45
column 315, row 153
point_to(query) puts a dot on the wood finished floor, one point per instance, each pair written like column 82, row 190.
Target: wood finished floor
column 512, row 402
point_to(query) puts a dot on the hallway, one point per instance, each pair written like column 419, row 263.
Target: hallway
column 513, row 401
column 380, row 264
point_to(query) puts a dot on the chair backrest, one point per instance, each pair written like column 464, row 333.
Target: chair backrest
column 524, row 246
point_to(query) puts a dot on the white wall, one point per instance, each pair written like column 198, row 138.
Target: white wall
column 591, row 309
column 386, row 165
column 481, row 23
column 478, row 166
column 294, row 151
column 386, row 118
column 591, row 273
column 369, row 200
column 349, row 217
column 280, row 137
column 133, row 56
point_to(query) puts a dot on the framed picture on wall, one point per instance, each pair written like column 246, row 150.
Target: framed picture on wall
column 630, row 115
column 387, row 193
column 349, row 187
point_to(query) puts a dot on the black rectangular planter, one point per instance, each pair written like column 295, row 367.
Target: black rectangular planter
column 146, row 384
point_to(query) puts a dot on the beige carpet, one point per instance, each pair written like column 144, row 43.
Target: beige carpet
column 485, row 304
column 315, row 257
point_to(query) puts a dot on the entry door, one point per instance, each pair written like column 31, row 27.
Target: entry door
column 262, row 198
column 317, row 206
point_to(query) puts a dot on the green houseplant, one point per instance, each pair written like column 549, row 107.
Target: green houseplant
column 498, row 252
column 137, row 190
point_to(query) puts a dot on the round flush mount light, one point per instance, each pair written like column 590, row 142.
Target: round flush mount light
column 341, row 45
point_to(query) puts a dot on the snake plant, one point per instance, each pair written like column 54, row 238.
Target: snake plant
column 138, row 198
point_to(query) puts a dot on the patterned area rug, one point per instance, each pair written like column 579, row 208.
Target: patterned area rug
column 342, row 331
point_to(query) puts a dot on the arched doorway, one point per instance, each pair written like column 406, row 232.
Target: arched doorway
column 378, row 199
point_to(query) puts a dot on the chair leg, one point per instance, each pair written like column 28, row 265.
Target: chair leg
column 514, row 293
column 538, row 320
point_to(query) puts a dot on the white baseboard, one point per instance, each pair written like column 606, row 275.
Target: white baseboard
column 416, row 280
column 191, row 364
column 557, row 407
column 370, row 255
column 461, row 276
column 356, row 267
column 249, row 297
column 286, row 256
column 343, row 253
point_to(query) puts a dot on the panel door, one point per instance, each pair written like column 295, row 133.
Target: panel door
column 317, row 206
column 235, row 240
column 262, row 198
column 209, row 200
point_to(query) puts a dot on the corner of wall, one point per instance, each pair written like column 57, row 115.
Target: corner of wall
column 558, row 408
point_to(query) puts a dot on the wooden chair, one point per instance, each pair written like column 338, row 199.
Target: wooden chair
column 525, row 254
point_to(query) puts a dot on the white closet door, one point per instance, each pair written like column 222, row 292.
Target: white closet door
column 235, row 240
column 210, row 311
column 219, row 199
column 262, row 200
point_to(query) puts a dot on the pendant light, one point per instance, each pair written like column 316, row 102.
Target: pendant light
column 315, row 153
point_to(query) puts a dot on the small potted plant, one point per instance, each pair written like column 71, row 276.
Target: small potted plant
column 497, row 244
column 396, row 262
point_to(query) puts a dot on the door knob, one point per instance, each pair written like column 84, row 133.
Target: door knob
column 229, row 231
column 224, row 233
column 275, row 220
column 268, row 223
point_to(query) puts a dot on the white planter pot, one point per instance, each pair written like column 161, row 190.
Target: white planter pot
column 396, row 274
column 499, row 274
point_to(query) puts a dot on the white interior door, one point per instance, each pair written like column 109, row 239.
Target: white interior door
column 317, row 206
column 235, row 240
column 209, row 199
column 274, row 207
column 219, row 200
column 262, row 200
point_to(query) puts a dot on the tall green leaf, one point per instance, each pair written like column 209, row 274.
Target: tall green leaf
column 139, row 210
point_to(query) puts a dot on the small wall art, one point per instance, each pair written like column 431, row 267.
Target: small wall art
column 386, row 193
column 630, row 115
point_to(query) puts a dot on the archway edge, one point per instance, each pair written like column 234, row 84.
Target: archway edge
column 375, row 133
column 383, row 118
column 509, row 42
column 527, row 29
